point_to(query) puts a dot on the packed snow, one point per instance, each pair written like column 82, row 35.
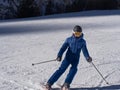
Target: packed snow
column 33, row 40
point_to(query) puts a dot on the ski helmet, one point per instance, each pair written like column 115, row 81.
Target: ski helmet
column 77, row 28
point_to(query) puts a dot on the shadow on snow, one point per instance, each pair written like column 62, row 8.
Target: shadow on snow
column 43, row 27
column 112, row 87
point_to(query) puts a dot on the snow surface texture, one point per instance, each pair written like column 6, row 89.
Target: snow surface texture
column 27, row 41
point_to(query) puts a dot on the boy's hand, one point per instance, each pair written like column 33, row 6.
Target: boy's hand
column 58, row 59
column 89, row 59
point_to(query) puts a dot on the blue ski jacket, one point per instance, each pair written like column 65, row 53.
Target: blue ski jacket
column 74, row 46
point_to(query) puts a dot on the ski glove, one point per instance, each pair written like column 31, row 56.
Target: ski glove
column 89, row 59
column 58, row 59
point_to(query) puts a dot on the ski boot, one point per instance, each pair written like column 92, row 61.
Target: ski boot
column 48, row 87
column 65, row 86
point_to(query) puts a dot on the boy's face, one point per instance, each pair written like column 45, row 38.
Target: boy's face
column 77, row 34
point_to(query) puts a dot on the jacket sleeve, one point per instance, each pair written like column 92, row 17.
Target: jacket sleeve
column 63, row 48
column 85, row 51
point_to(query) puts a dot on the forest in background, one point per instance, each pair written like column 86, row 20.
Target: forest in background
column 10, row 9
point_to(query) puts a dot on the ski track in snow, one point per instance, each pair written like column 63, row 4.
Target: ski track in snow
column 19, row 49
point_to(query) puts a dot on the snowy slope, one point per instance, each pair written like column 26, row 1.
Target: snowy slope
column 27, row 41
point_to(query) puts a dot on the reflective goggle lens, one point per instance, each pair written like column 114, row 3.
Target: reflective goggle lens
column 77, row 33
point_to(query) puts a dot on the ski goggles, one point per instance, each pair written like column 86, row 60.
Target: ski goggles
column 77, row 34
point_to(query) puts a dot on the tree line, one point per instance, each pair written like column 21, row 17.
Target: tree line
column 31, row 8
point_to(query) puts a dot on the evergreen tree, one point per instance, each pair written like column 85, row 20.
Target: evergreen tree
column 28, row 8
column 9, row 10
column 110, row 4
column 101, row 4
column 79, row 5
column 49, row 7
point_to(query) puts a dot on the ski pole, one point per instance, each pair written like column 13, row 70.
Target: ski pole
column 43, row 62
column 100, row 73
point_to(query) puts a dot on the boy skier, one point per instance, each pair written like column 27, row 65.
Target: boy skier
column 74, row 44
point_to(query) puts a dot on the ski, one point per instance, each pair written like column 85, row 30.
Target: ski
column 62, row 88
column 42, row 87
